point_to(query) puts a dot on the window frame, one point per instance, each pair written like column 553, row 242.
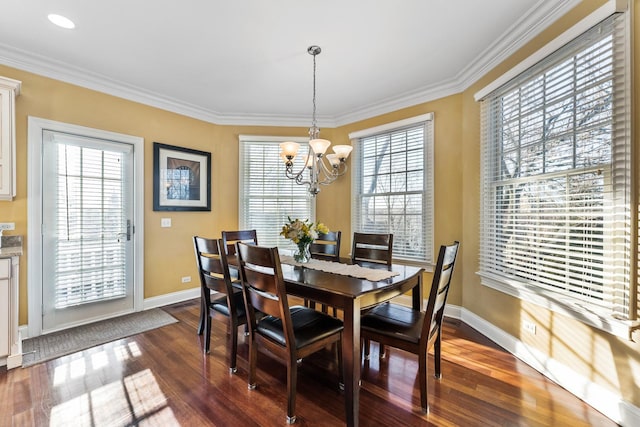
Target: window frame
column 428, row 179
column 587, row 313
column 278, row 165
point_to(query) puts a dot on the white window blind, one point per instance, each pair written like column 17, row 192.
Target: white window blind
column 393, row 188
column 88, row 205
column 556, row 175
column 267, row 197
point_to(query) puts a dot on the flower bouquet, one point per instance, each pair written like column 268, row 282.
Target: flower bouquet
column 302, row 233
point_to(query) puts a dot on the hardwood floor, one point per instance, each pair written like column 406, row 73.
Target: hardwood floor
column 162, row 378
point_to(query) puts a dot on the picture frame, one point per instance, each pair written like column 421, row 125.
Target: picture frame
column 181, row 179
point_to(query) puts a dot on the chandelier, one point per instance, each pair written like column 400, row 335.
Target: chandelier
column 317, row 168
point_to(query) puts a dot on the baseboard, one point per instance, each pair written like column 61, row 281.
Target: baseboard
column 171, row 298
column 603, row 400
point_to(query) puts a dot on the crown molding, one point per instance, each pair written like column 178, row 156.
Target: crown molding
column 522, row 31
column 540, row 17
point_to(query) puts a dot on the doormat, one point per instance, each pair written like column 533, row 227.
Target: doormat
column 57, row 344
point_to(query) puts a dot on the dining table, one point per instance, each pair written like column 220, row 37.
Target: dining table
column 351, row 295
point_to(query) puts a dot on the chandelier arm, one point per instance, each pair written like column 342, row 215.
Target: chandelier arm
column 327, row 172
column 298, row 177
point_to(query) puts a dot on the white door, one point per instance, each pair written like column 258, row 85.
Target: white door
column 87, row 229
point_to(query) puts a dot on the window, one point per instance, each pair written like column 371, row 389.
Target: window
column 267, row 197
column 393, row 186
column 556, row 177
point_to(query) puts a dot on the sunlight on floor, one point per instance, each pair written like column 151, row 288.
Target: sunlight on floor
column 134, row 400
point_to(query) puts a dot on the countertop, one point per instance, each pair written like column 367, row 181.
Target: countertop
column 10, row 246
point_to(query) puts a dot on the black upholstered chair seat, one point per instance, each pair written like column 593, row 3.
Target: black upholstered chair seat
column 220, row 305
column 309, row 326
column 395, row 320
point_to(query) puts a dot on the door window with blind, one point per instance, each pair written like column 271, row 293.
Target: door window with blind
column 556, row 176
column 87, row 229
column 392, row 186
column 267, row 197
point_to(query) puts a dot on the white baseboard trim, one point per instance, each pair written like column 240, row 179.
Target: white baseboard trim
column 171, row 298
column 603, row 400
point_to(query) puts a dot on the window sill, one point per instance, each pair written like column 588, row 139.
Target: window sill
column 591, row 316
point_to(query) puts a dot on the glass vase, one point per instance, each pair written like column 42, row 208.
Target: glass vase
column 302, row 253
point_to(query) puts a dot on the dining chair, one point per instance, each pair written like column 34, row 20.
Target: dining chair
column 412, row 330
column 372, row 248
column 327, row 246
column 290, row 333
column 213, row 271
column 229, row 238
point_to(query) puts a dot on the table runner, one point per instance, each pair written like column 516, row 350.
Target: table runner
column 352, row 270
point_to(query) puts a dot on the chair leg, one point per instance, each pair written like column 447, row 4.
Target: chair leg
column 202, row 317
column 338, row 347
column 252, row 364
column 422, row 374
column 383, row 351
column 292, row 379
column 436, row 357
column 207, row 333
column 233, row 329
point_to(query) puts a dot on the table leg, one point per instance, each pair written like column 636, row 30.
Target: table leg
column 351, row 362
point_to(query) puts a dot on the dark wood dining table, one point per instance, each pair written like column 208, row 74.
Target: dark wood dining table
column 351, row 295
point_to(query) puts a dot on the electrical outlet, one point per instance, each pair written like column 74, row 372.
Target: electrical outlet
column 7, row 225
column 165, row 222
column 529, row 327
column 186, row 279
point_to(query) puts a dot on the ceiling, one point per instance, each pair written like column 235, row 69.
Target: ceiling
column 246, row 61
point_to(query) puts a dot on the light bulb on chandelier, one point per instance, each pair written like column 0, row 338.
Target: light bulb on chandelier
column 315, row 171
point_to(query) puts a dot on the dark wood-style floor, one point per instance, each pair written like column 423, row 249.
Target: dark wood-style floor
column 162, row 378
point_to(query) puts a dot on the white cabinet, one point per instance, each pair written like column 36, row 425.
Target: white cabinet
column 9, row 89
column 10, row 341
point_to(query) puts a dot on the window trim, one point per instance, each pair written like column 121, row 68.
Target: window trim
column 429, row 144
column 591, row 314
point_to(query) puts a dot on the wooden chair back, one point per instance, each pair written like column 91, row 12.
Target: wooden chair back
column 213, row 268
column 372, row 247
column 230, row 238
column 263, row 285
column 442, row 275
column 327, row 246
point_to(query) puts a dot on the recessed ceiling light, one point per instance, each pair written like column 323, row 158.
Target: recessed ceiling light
column 61, row 21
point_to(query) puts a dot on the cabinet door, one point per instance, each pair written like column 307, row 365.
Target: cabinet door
column 4, row 316
column 6, row 128
column 9, row 89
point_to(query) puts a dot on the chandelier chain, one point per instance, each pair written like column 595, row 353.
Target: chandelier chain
column 313, row 119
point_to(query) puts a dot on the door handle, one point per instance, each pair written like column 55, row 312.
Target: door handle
column 127, row 234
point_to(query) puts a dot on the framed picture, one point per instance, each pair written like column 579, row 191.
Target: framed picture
column 181, row 179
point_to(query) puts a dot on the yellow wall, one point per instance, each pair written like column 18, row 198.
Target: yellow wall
column 609, row 361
